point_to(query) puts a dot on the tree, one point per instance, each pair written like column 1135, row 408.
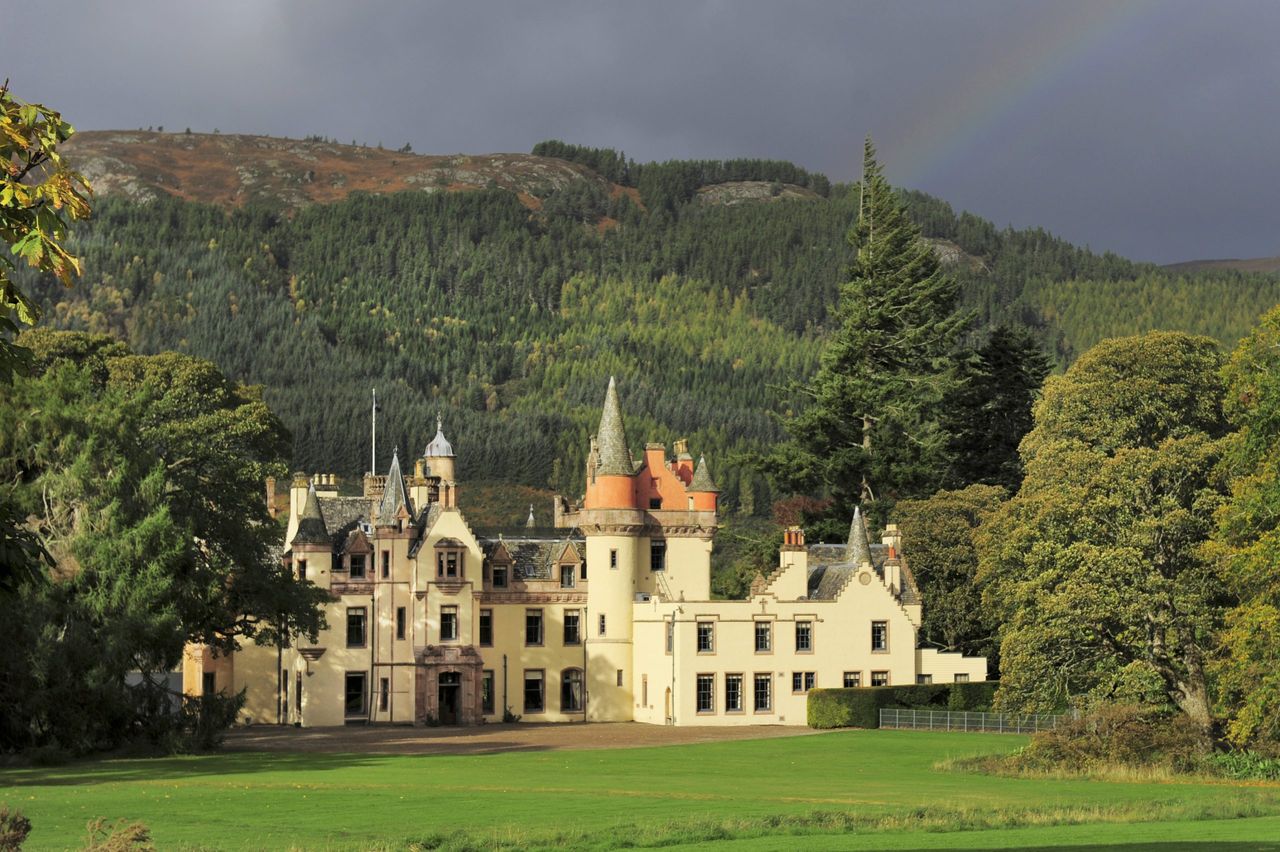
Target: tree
column 989, row 409
column 1248, row 539
column 1096, row 567
column 938, row 536
column 871, row 428
column 38, row 195
column 141, row 477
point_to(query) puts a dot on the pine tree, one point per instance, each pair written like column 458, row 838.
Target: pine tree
column 989, row 410
column 871, row 429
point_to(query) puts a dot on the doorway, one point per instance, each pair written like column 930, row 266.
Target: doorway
column 450, row 688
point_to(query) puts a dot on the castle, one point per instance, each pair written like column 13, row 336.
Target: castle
column 607, row 617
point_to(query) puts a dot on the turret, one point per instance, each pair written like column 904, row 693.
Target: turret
column 610, row 468
column 440, row 462
column 703, row 487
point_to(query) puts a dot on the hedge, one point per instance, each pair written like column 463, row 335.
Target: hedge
column 860, row 707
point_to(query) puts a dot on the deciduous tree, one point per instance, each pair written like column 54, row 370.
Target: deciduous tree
column 1096, row 567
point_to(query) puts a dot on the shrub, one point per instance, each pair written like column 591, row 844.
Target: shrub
column 1244, row 765
column 860, row 707
column 1126, row 734
column 14, row 828
column 202, row 723
column 119, row 836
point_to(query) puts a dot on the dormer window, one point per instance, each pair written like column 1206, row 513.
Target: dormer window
column 450, row 560
column 356, row 566
column 449, row 564
column 500, row 575
column 567, row 576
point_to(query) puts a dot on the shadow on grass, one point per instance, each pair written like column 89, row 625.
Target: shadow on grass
column 111, row 770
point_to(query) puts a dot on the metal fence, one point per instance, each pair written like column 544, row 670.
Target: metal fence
column 965, row 720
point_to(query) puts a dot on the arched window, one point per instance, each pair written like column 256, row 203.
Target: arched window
column 571, row 691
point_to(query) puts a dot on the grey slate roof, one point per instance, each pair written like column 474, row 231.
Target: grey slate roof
column 439, row 446
column 311, row 525
column 702, row 480
column 533, row 558
column 394, row 496
column 611, row 438
column 342, row 515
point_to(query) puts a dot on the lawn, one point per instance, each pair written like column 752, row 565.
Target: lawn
column 850, row 789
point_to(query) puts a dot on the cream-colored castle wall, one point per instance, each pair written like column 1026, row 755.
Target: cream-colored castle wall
column 611, row 593
column 553, row 657
column 943, row 666
column 841, row 640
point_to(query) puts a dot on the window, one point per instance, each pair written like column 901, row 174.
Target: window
column 533, row 627
column 602, row 624
column 613, row 560
column 209, row 683
column 355, row 627
column 533, row 691
column 763, row 689
column 499, row 576
column 924, row 678
column 655, row 502
column 657, row 555
column 284, row 697
column 302, row 569
column 486, row 627
column 706, row 693
column 384, row 693
column 582, row 570
column 962, row 678
column 671, row 635
column 644, row 690
column 733, row 693
column 852, row 679
column 804, row 637
column 357, row 566
column 355, row 704
column 802, row 681
column 449, row 564
column 572, row 635
column 619, row 677
column 449, row 623
column 297, row 692
column 400, row 619
column 764, row 637
column 486, row 692
column 386, row 564
column 879, row 635
column 567, row 575
column 706, row 637
column 879, row 678
column 571, row 691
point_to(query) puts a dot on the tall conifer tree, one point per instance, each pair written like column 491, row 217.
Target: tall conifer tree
column 871, row 431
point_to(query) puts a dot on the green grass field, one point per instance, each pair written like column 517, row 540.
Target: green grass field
column 846, row 790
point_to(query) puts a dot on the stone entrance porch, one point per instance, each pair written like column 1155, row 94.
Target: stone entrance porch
column 447, row 685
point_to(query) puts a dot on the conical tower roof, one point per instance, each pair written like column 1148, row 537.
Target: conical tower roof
column 702, row 480
column 311, row 528
column 393, row 495
column 530, row 521
column 611, row 438
column 859, row 549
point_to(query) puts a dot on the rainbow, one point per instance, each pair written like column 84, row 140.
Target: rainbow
column 945, row 133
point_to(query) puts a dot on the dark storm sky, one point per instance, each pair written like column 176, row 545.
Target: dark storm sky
column 1147, row 128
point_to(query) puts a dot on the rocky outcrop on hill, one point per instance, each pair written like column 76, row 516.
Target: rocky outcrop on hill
column 233, row 169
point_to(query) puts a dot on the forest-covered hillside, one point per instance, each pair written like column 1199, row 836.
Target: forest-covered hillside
column 509, row 316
